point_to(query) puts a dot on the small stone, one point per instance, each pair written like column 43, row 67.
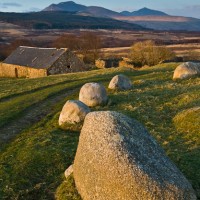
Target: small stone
column 120, row 82
column 68, row 171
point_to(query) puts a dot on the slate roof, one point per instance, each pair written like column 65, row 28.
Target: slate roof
column 39, row 58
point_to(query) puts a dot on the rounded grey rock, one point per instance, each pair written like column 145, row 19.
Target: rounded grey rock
column 93, row 94
column 187, row 70
column 73, row 112
column 120, row 82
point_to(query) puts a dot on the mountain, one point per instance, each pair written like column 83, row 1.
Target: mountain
column 145, row 17
column 69, row 15
column 144, row 12
column 64, row 20
column 71, row 6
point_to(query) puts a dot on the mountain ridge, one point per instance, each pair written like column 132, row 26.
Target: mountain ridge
column 71, row 6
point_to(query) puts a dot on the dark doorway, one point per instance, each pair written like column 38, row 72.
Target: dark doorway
column 16, row 72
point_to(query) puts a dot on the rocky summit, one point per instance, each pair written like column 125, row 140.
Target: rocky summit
column 117, row 159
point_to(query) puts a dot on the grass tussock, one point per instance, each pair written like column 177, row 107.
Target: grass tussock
column 33, row 160
column 72, row 127
column 70, row 193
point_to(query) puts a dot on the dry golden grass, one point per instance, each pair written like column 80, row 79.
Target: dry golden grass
column 154, row 18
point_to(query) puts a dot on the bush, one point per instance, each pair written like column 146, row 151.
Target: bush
column 6, row 50
column 147, row 53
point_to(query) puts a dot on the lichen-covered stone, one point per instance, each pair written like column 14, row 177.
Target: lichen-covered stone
column 120, row 82
column 117, row 159
column 93, row 94
column 187, row 70
column 73, row 112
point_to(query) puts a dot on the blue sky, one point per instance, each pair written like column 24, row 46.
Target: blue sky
column 174, row 7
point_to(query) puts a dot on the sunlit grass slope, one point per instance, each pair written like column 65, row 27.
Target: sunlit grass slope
column 33, row 158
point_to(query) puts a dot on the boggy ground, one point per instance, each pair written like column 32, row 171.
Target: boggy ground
column 34, row 153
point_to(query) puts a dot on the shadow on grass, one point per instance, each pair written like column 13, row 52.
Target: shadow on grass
column 7, row 98
column 39, row 158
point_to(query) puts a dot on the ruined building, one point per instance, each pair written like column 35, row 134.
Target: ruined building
column 107, row 63
column 32, row 62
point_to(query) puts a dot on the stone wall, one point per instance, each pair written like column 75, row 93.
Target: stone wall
column 100, row 64
column 125, row 64
column 16, row 71
column 107, row 63
column 67, row 63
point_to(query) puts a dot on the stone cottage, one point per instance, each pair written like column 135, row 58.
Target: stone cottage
column 32, row 62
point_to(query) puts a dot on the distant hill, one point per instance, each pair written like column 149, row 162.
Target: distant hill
column 71, row 6
column 144, row 12
column 64, row 20
column 168, row 23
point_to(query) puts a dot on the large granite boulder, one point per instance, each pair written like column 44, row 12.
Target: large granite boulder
column 120, row 82
column 93, row 94
column 117, row 159
column 187, row 70
column 73, row 112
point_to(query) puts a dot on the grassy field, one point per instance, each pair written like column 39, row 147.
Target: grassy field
column 34, row 151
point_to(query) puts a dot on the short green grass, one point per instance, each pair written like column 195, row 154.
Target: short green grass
column 32, row 163
column 67, row 190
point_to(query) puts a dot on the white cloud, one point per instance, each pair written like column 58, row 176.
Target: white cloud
column 10, row 4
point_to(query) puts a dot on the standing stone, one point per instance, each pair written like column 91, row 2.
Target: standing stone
column 120, row 82
column 93, row 94
column 187, row 70
column 73, row 112
column 117, row 159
